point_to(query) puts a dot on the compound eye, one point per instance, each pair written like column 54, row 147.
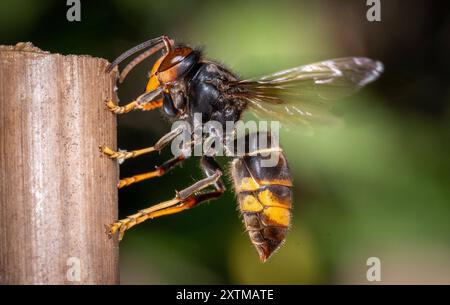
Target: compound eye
column 168, row 105
column 176, row 56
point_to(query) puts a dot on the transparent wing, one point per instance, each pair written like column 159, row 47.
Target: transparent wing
column 304, row 94
column 291, row 115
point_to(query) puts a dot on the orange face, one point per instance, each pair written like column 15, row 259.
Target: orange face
column 153, row 81
column 172, row 66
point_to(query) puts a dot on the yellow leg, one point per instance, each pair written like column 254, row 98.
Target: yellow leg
column 158, row 172
column 175, row 205
column 152, row 105
column 121, row 109
column 123, row 155
column 137, row 178
column 113, row 107
column 164, row 208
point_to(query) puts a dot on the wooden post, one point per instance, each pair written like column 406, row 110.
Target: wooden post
column 56, row 189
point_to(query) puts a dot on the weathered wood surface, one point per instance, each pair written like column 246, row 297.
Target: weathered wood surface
column 56, row 190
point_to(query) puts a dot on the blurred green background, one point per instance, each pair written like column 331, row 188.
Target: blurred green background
column 380, row 186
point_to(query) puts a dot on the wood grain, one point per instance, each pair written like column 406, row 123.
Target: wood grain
column 56, row 190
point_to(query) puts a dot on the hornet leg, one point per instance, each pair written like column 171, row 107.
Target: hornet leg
column 121, row 156
column 158, row 172
column 183, row 200
column 144, row 102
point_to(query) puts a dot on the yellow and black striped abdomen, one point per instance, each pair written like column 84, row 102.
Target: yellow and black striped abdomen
column 265, row 201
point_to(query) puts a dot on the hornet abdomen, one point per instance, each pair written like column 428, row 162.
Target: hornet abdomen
column 265, row 200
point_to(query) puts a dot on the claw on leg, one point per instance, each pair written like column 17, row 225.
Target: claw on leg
column 121, row 156
column 183, row 200
column 143, row 102
column 141, row 216
column 121, row 109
